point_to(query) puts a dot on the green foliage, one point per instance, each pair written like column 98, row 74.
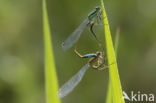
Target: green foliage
column 113, row 70
column 109, row 93
column 116, row 43
column 50, row 72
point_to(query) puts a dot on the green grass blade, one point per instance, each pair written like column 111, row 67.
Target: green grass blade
column 109, row 98
column 113, row 70
column 116, row 43
column 50, row 72
column 109, row 91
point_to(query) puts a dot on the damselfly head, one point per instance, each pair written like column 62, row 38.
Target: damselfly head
column 98, row 53
column 97, row 8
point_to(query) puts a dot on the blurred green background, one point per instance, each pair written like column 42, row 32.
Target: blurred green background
column 21, row 48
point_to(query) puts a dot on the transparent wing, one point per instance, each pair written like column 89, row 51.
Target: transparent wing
column 69, row 42
column 72, row 83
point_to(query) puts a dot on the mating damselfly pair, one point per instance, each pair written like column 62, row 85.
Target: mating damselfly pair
column 97, row 60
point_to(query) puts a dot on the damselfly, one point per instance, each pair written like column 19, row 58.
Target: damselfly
column 93, row 17
column 97, row 62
